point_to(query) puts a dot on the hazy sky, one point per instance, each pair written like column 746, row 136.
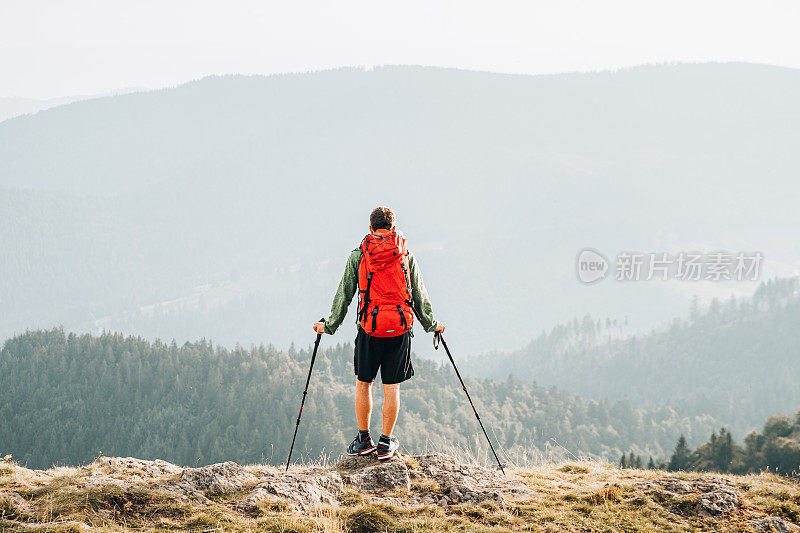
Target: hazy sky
column 63, row 47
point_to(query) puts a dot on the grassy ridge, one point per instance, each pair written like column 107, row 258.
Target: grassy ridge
column 585, row 496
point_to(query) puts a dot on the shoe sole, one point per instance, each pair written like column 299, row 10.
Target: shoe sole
column 386, row 456
column 363, row 452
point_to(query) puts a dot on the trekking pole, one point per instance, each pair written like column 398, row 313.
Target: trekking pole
column 303, row 401
column 439, row 337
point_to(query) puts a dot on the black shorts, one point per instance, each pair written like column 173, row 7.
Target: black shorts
column 391, row 354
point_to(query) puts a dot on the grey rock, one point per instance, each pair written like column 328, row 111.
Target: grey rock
column 219, row 478
column 715, row 496
column 390, row 475
column 469, row 482
column 125, row 472
column 101, row 481
column 357, row 462
column 770, row 524
column 496, row 497
column 128, row 464
column 251, row 503
column 304, row 489
column 184, row 492
column 672, row 487
column 717, row 503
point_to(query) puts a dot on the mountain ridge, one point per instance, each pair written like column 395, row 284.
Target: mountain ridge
column 430, row 492
column 737, row 344
column 228, row 176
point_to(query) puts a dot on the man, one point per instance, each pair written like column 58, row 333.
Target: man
column 391, row 293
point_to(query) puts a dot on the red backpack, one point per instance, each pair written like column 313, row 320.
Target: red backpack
column 384, row 285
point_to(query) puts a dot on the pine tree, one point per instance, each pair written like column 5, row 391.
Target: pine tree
column 651, row 465
column 623, row 462
column 680, row 457
column 631, row 460
column 694, row 309
column 723, row 454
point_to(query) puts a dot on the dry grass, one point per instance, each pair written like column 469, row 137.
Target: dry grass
column 349, row 498
column 590, row 496
column 567, row 496
column 370, row 518
column 428, row 486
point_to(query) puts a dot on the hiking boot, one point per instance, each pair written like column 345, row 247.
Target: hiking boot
column 386, row 449
column 361, row 447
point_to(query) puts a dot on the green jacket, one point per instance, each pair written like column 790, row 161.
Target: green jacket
column 349, row 285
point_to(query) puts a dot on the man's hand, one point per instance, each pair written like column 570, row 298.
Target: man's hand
column 319, row 327
column 440, row 328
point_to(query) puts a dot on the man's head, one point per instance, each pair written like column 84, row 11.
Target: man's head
column 381, row 218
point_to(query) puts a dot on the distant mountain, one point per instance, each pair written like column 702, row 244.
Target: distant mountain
column 736, row 361
column 13, row 106
column 226, row 207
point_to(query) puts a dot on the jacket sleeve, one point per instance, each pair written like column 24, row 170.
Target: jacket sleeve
column 419, row 295
column 344, row 293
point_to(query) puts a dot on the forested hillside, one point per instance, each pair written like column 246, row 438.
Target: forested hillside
column 776, row 448
column 738, row 360
column 66, row 398
column 226, row 207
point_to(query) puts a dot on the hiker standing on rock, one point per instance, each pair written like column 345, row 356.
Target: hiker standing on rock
column 390, row 293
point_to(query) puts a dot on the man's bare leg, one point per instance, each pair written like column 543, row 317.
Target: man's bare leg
column 364, row 404
column 391, row 406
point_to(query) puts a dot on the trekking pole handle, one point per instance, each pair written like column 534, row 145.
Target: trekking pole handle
column 313, row 357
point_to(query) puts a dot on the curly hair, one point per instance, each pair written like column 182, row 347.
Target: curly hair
column 381, row 218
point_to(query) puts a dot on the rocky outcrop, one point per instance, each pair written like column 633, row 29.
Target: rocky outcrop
column 772, row 524
column 713, row 496
column 460, row 483
column 129, row 465
column 420, row 479
column 364, row 494
column 423, row 479
column 219, row 478
column 390, row 475
column 305, row 489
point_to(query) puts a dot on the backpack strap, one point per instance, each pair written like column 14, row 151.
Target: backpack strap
column 402, row 317
column 408, row 281
column 366, row 300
